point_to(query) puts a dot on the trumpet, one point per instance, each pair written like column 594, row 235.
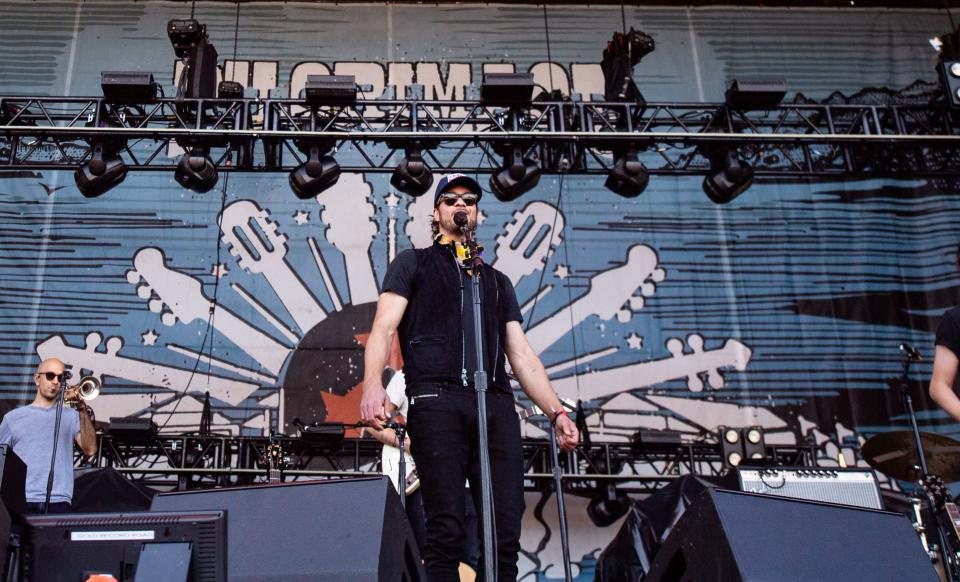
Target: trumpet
column 87, row 389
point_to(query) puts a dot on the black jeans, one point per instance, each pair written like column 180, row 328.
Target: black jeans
column 443, row 435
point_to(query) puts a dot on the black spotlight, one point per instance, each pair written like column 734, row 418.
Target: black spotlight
column 186, row 34
column 629, row 177
column 196, row 171
column 517, row 176
column 729, row 176
column 104, row 170
column 412, row 175
column 607, row 506
column 315, row 175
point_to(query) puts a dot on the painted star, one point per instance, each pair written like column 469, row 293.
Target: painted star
column 392, row 200
column 149, row 338
column 634, row 341
column 301, row 217
column 562, row 271
column 219, row 271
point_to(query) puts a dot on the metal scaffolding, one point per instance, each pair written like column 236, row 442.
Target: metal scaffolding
column 191, row 461
column 253, row 135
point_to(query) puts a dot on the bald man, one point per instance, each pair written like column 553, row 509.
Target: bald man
column 29, row 431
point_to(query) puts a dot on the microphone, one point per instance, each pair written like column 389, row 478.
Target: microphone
column 911, row 352
column 461, row 220
column 67, row 375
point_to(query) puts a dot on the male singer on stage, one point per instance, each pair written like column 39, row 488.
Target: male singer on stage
column 947, row 360
column 29, row 431
column 427, row 298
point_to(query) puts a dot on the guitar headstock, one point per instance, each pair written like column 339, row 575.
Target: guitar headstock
column 250, row 235
column 621, row 290
column 733, row 353
column 172, row 294
column 528, row 240
column 937, row 489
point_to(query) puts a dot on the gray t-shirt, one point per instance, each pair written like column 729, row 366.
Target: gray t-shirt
column 28, row 430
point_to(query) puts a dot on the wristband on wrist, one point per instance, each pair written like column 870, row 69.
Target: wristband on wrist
column 553, row 421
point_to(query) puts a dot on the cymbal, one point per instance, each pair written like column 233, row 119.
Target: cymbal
column 894, row 454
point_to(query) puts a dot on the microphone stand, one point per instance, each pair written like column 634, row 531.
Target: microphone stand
column 908, row 358
column 480, row 385
column 561, row 505
column 56, row 435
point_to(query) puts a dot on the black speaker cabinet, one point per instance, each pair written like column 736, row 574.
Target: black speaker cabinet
column 727, row 536
column 341, row 529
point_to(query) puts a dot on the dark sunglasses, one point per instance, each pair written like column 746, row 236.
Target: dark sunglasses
column 50, row 376
column 451, row 199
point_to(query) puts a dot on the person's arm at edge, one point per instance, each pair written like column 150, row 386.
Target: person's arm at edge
column 87, row 437
column 536, row 384
column 374, row 402
column 945, row 365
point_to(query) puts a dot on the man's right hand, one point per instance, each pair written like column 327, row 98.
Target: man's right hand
column 373, row 405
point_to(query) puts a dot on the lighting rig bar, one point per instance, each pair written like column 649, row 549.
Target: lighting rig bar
column 265, row 135
column 193, row 461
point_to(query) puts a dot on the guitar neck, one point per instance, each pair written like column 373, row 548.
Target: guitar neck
column 954, row 513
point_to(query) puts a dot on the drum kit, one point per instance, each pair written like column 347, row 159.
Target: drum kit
column 928, row 460
column 935, row 516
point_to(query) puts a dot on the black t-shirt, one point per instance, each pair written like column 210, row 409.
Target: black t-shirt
column 399, row 280
column 948, row 333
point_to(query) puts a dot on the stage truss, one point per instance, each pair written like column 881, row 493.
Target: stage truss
column 252, row 135
column 191, row 461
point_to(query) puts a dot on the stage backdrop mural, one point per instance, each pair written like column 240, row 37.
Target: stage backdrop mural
column 784, row 308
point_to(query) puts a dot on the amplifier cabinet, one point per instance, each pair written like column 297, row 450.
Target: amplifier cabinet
column 855, row 487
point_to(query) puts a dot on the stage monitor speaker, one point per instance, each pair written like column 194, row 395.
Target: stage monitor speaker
column 343, row 529
column 727, row 536
column 13, row 478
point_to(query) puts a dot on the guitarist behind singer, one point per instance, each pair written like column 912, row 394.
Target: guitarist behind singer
column 388, row 437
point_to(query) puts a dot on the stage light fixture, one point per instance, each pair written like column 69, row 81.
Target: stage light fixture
column 128, row 86
column 196, row 171
column 755, row 94
column 622, row 54
column 332, row 90
column 319, row 172
column 517, row 176
column 607, row 506
column 629, row 177
column 507, row 89
column 754, row 446
column 949, row 72
column 412, row 175
column 729, row 175
column 185, row 34
column 229, row 90
column 103, row 171
column 731, row 446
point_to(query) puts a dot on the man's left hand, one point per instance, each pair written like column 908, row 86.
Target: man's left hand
column 567, row 434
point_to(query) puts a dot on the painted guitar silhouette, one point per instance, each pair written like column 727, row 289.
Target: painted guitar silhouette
column 259, row 248
column 679, row 364
column 109, row 363
column 519, row 256
column 178, row 296
column 612, row 292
